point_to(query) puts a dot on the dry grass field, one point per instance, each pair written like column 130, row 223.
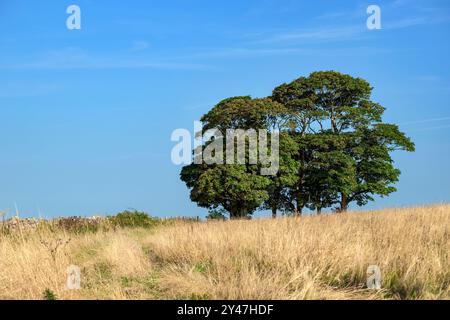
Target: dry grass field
column 317, row 257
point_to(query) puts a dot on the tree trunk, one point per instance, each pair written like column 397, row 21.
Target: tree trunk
column 234, row 213
column 298, row 207
column 301, row 173
column 298, row 212
column 333, row 126
column 344, row 204
column 274, row 212
column 243, row 213
column 319, row 211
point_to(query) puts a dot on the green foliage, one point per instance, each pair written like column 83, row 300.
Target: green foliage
column 197, row 296
column 344, row 148
column 242, row 113
column 239, row 189
column 133, row 219
column 216, row 214
column 232, row 187
column 285, row 179
column 49, row 295
column 334, row 149
column 203, row 266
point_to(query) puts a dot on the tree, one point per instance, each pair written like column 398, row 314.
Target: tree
column 278, row 189
column 375, row 171
column 329, row 170
column 330, row 107
column 298, row 113
column 334, row 149
column 231, row 187
column 240, row 189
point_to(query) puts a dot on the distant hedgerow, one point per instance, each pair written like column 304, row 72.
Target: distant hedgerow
column 133, row 219
column 79, row 224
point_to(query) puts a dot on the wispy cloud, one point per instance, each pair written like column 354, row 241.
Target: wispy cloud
column 139, row 45
column 416, row 21
column 75, row 58
column 255, row 52
column 428, row 78
column 270, row 6
column 332, row 15
column 426, row 121
column 431, row 128
column 27, row 90
column 318, row 34
column 398, row 14
column 249, row 43
column 241, row 52
column 428, row 124
column 351, row 32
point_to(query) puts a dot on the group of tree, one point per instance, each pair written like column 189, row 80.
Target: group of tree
column 334, row 150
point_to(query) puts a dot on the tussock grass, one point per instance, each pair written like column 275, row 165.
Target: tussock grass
column 319, row 257
column 105, row 259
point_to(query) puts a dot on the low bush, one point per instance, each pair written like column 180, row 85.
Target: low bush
column 80, row 225
column 133, row 219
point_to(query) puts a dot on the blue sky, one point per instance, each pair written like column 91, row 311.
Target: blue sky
column 86, row 115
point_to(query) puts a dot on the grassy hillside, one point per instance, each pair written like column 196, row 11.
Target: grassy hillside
column 320, row 257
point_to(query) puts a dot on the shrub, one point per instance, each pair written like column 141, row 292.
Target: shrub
column 133, row 219
column 216, row 214
column 49, row 295
column 79, row 225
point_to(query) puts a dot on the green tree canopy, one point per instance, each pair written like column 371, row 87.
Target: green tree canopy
column 334, row 149
column 240, row 189
column 348, row 157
